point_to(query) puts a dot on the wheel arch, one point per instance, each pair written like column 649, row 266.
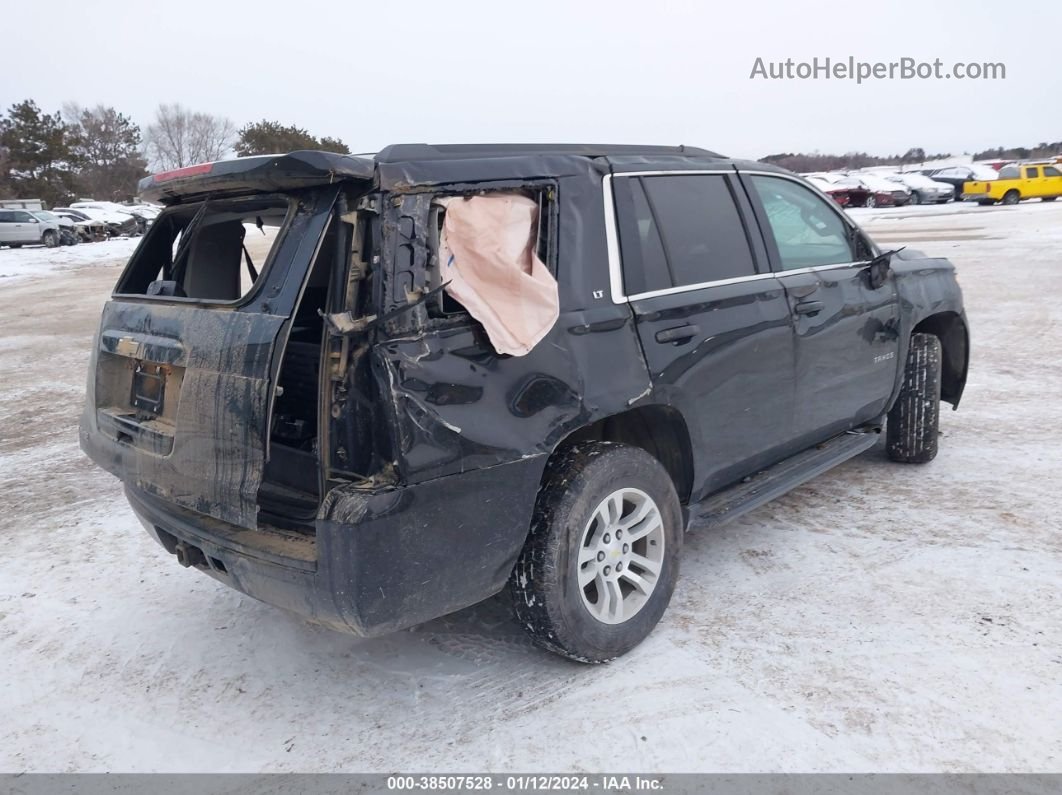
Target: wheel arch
column 658, row 429
column 951, row 330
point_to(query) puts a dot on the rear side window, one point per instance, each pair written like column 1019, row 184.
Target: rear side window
column 680, row 230
column 807, row 231
column 211, row 251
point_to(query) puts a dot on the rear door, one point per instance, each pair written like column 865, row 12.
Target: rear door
column 847, row 338
column 181, row 388
column 1033, row 187
column 24, row 229
column 7, row 227
column 712, row 319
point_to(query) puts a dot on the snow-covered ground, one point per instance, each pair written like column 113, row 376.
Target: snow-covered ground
column 30, row 261
column 881, row 618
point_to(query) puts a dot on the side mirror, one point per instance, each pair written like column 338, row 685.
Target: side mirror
column 878, row 269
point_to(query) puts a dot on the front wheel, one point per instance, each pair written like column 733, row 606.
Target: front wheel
column 913, row 424
column 599, row 566
column 871, row 202
column 50, row 239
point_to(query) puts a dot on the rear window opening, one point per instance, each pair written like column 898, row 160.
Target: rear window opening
column 210, row 251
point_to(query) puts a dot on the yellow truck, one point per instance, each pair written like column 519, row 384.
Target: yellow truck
column 1017, row 182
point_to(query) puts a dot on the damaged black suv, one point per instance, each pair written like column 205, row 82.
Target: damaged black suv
column 375, row 390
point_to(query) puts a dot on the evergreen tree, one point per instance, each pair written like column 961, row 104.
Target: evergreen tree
column 39, row 162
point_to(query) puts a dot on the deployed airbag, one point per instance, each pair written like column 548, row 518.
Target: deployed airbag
column 487, row 254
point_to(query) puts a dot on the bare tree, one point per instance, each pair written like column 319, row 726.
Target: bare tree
column 180, row 137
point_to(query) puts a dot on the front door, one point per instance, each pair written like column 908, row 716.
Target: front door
column 713, row 321
column 847, row 340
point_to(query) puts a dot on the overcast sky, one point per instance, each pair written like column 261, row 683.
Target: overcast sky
column 620, row 71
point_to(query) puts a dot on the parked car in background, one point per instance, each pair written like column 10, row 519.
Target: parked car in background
column 871, row 196
column 852, row 194
column 118, row 210
column 146, row 211
column 117, row 223
column 958, row 176
column 68, row 234
column 1022, row 181
column 89, row 229
column 839, row 195
column 880, row 187
column 22, row 228
column 923, row 189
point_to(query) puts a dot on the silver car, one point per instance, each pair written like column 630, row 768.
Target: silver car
column 21, row 227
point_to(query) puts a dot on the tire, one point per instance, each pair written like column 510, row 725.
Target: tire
column 1011, row 197
column 50, row 239
column 582, row 483
column 870, row 202
column 916, row 198
column 914, row 420
column 1049, row 198
column 15, row 245
column 985, row 202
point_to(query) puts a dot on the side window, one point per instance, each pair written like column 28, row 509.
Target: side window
column 682, row 230
column 807, row 231
column 1032, row 173
column 1051, row 171
column 22, row 217
column 645, row 267
column 6, row 216
column 703, row 235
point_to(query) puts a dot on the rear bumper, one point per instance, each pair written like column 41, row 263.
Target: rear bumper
column 380, row 561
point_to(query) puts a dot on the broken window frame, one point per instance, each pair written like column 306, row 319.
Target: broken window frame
column 545, row 196
column 157, row 229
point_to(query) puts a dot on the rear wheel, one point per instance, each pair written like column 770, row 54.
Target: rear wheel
column 914, row 420
column 1011, row 197
column 599, row 566
column 50, row 239
column 871, row 202
column 916, row 198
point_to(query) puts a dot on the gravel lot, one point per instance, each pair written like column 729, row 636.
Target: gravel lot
column 881, row 618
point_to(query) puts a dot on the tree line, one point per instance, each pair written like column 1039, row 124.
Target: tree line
column 101, row 153
column 803, row 163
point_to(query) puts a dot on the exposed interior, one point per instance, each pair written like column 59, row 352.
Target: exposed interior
column 290, row 490
column 210, row 251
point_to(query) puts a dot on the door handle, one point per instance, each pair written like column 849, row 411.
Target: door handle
column 680, row 334
column 809, row 307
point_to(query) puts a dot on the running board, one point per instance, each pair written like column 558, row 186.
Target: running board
column 784, row 476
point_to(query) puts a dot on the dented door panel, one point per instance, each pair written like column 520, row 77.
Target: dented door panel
column 456, row 404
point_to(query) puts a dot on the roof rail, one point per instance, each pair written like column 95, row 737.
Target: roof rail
column 396, row 153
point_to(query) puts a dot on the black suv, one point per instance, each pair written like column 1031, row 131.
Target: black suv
column 300, row 408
